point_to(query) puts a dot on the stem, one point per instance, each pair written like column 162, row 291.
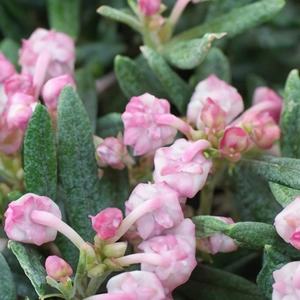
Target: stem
column 146, row 207
column 206, row 199
column 95, row 283
column 148, row 258
column 50, row 220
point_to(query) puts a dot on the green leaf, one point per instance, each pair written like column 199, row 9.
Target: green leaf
column 64, row 16
column 216, row 63
column 86, row 90
column 252, row 196
column 109, row 125
column 177, row 89
column 188, row 55
column 120, row 16
column 285, row 171
column 208, row 226
column 10, row 49
column 7, row 286
column 237, row 21
column 29, row 260
column 115, row 187
column 283, row 194
column 290, row 115
column 273, row 260
column 213, row 284
column 40, row 169
column 14, row 195
column 77, row 163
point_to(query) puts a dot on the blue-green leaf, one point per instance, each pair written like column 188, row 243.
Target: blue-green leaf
column 40, row 168
column 10, row 49
column 7, row 285
column 283, row 194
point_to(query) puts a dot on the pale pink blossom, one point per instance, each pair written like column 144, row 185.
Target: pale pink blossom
column 58, row 47
column 113, row 152
column 53, row 87
column 19, row 83
column 179, row 256
column 219, row 242
column 167, row 214
column 141, row 131
column 6, row 67
column 222, row 94
column 183, row 166
column 287, row 223
column 10, row 138
column 149, row 7
column 287, row 282
column 57, row 268
column 234, row 142
column 107, row 222
column 19, row 225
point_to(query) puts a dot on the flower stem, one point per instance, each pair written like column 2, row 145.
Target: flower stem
column 148, row 258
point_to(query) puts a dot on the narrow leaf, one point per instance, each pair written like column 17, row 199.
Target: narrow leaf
column 283, row 194
column 29, row 260
column 236, row 21
column 77, row 163
column 189, row 54
column 208, row 226
column 7, row 286
column 290, row 115
column 86, row 90
column 177, row 89
column 64, row 16
column 40, row 169
column 10, row 49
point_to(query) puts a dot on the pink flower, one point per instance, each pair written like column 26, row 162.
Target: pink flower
column 59, row 48
column 10, row 138
column 107, row 222
column 182, row 166
column 234, row 142
column 53, row 87
column 167, row 213
column 149, row 7
column 287, row 223
column 57, row 268
column 19, row 225
column 142, row 132
column 222, row 94
column 19, row 84
column 287, row 282
column 6, row 67
column 219, row 242
column 113, row 152
column 179, row 256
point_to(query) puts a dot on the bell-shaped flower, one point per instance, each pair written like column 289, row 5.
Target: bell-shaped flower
column 57, row 268
column 6, row 67
column 287, row 223
column 157, row 207
column 222, row 94
column 19, row 224
column 113, row 152
column 179, row 256
column 141, row 131
column 234, row 142
column 58, row 53
column 107, row 222
column 183, row 166
column 53, row 87
column 149, row 7
column 287, row 282
column 19, row 83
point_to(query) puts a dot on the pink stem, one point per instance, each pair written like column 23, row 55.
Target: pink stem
column 148, row 258
column 192, row 150
column 50, row 220
column 177, row 11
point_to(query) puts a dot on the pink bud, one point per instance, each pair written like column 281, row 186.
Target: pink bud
column 113, row 152
column 182, row 166
column 287, row 282
column 166, row 213
column 107, row 222
column 6, row 67
column 57, row 268
column 179, row 256
column 142, row 132
column 213, row 116
column 18, row 84
column 149, row 7
column 222, row 94
column 19, row 225
column 10, row 138
column 59, row 46
column 287, row 223
column 234, row 142
column 53, row 87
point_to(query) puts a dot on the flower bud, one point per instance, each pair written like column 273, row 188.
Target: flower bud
column 57, row 268
column 149, row 7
